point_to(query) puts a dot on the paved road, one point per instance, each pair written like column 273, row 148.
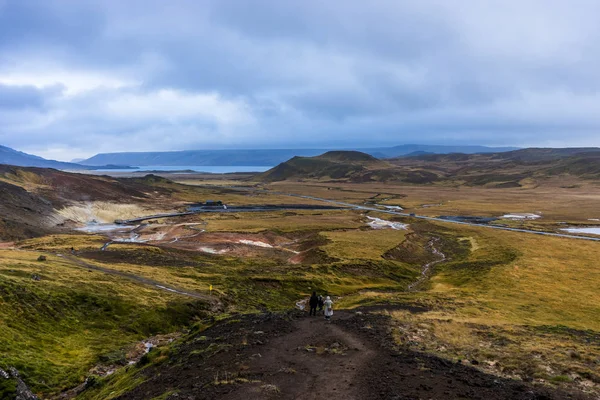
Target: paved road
column 402, row 214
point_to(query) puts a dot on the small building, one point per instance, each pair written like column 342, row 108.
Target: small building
column 213, row 203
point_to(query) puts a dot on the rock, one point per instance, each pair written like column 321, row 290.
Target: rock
column 36, row 277
column 335, row 345
column 465, row 362
column 23, row 392
column 41, row 258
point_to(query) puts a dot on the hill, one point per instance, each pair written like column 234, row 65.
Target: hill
column 10, row 156
column 505, row 169
column 30, row 198
column 262, row 157
column 508, row 168
column 346, row 165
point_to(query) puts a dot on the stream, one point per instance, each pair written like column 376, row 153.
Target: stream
column 426, row 269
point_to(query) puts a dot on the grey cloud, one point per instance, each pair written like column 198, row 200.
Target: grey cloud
column 303, row 73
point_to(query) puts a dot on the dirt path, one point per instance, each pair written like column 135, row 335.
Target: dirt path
column 146, row 281
column 294, row 356
column 317, row 360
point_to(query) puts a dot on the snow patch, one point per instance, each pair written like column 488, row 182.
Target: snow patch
column 254, row 243
column 591, row 230
column 594, row 219
column 133, row 238
column 391, row 207
column 521, row 216
column 210, row 250
column 377, row 223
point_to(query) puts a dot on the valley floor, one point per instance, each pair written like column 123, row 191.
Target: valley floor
column 423, row 308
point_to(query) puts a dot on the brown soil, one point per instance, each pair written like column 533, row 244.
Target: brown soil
column 294, row 356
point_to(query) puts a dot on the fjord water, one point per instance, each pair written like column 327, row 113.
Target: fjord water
column 214, row 169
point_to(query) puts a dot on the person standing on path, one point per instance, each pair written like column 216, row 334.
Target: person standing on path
column 313, row 302
column 321, row 303
column 328, row 308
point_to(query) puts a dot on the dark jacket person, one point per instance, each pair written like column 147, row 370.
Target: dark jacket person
column 313, row 302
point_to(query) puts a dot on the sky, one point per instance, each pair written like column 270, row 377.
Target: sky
column 81, row 77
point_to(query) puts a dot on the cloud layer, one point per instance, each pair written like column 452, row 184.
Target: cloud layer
column 81, row 77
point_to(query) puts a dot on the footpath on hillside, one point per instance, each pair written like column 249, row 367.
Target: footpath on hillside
column 293, row 356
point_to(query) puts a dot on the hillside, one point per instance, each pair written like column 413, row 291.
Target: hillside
column 346, row 165
column 508, row 169
column 30, row 198
column 262, row 157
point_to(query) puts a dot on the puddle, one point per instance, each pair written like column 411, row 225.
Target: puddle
column 521, row 216
column 590, row 230
column 254, row 243
column 377, row 223
column 468, row 219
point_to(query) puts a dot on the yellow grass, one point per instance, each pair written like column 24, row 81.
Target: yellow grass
column 362, row 244
column 283, row 221
column 553, row 281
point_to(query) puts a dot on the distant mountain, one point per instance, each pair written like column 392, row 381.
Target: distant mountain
column 411, row 149
column 10, row 156
column 529, row 155
column 18, row 158
column 263, row 157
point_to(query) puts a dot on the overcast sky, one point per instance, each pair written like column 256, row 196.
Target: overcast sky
column 78, row 77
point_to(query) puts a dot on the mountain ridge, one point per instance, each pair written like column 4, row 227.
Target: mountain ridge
column 262, row 157
column 9, row 156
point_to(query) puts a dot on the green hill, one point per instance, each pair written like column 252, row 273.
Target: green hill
column 332, row 165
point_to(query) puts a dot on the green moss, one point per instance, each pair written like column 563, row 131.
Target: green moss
column 8, row 388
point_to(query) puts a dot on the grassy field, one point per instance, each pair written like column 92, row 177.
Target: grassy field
column 517, row 305
column 57, row 320
column 513, row 304
column 282, row 221
column 362, row 244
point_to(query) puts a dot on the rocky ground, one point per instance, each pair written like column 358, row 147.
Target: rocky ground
column 293, row 356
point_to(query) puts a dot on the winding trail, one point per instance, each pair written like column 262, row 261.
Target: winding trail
column 146, row 281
